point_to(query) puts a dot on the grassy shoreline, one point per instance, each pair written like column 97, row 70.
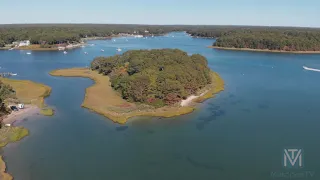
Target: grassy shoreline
column 264, row 50
column 102, row 99
column 3, row 168
column 29, row 92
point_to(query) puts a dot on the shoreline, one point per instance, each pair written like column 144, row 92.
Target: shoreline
column 14, row 116
column 30, row 93
column 263, row 50
column 117, row 109
column 74, row 46
column 3, row 170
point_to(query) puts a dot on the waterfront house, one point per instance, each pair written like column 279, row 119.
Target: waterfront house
column 24, row 43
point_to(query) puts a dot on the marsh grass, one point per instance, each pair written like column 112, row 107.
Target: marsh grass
column 3, row 174
column 47, row 111
column 29, row 92
column 11, row 134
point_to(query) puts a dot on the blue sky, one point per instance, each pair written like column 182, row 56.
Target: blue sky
column 215, row 12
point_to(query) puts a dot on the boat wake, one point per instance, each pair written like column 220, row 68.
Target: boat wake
column 310, row 69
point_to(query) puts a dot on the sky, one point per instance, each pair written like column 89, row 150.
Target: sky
column 304, row 13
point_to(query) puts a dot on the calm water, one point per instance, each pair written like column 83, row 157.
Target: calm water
column 269, row 103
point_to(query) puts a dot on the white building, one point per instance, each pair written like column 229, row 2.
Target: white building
column 24, row 43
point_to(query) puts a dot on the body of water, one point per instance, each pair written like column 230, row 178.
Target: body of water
column 270, row 103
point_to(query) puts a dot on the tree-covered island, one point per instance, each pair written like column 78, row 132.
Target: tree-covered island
column 164, row 82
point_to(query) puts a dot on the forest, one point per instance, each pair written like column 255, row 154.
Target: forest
column 62, row 33
column 254, row 37
column 156, row 77
column 272, row 38
column 6, row 92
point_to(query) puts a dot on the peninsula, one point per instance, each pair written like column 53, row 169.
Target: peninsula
column 162, row 83
column 12, row 93
column 265, row 39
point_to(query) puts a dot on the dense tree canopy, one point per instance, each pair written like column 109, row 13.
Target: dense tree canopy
column 272, row 38
column 6, row 92
column 62, row 33
column 156, row 77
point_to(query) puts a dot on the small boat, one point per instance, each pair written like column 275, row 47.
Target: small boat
column 102, row 50
column 65, row 52
column 91, row 44
column 10, row 49
column 28, row 53
column 85, row 53
column 13, row 74
column 119, row 49
column 310, row 69
column 114, row 40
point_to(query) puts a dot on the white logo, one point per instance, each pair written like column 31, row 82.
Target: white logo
column 291, row 157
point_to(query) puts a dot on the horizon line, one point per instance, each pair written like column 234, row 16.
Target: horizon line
column 138, row 24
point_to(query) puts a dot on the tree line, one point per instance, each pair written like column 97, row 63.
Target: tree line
column 155, row 77
column 272, row 38
column 254, row 37
column 63, row 33
column 6, row 92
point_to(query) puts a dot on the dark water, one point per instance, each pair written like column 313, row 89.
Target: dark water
column 269, row 103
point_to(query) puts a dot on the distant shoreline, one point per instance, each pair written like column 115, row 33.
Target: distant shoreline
column 264, row 50
column 36, row 47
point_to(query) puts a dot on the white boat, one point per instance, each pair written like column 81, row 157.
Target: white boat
column 114, row 40
column 65, row 52
column 85, row 53
column 10, row 49
column 28, row 53
column 119, row 49
column 102, row 50
column 138, row 36
column 310, row 69
column 13, row 74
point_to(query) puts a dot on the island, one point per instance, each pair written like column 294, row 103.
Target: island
column 159, row 82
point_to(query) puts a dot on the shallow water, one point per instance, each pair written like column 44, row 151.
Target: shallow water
column 269, row 103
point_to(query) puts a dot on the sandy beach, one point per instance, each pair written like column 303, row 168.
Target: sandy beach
column 189, row 100
column 28, row 110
